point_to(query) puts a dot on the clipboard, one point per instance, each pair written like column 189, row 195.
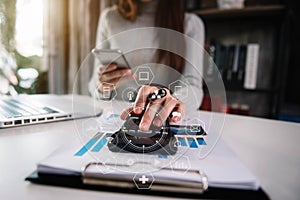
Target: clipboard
column 160, row 184
column 82, row 179
column 78, row 176
column 75, row 181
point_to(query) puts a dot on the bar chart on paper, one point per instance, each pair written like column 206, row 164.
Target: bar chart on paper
column 191, row 137
column 96, row 143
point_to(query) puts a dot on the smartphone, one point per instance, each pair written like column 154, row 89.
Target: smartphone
column 109, row 56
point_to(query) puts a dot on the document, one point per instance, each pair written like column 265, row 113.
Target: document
column 222, row 167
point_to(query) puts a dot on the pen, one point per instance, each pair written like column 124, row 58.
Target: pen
column 159, row 94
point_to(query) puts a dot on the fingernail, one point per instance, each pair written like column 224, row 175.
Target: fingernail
column 114, row 66
column 176, row 119
column 144, row 127
column 137, row 110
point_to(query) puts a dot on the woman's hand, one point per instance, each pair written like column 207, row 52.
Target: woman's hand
column 110, row 76
column 157, row 111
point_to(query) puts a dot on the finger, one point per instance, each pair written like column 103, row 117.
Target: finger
column 178, row 112
column 120, row 81
column 107, row 68
column 148, row 116
column 169, row 105
column 141, row 98
column 107, row 76
column 126, row 113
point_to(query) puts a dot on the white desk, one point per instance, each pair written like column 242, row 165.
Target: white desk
column 269, row 148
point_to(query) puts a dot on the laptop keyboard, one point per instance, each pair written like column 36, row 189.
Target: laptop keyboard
column 14, row 108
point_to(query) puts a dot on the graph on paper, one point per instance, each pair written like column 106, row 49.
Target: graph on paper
column 96, row 144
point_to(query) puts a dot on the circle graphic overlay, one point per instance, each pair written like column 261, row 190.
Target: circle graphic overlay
column 192, row 138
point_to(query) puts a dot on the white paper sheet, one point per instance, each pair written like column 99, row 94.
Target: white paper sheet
column 221, row 166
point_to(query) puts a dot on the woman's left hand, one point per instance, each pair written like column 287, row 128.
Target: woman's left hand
column 157, row 111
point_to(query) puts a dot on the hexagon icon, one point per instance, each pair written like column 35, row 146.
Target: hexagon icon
column 90, row 127
column 181, row 166
column 107, row 94
column 144, row 74
column 143, row 181
column 129, row 94
column 180, row 89
column 194, row 125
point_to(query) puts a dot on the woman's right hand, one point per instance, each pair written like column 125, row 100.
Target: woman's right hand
column 110, row 77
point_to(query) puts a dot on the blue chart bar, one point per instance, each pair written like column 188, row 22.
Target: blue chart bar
column 162, row 156
column 88, row 145
column 181, row 142
column 201, row 141
column 112, row 116
column 184, row 131
column 192, row 143
column 99, row 146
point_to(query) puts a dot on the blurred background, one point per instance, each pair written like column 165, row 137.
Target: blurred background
column 43, row 43
column 21, row 47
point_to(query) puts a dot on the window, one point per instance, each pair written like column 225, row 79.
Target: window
column 21, row 47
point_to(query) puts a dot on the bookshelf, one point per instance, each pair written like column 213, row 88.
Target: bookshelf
column 263, row 25
column 251, row 11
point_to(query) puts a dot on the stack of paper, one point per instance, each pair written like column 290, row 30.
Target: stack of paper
column 222, row 168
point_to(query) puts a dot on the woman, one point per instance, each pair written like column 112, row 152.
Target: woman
column 132, row 14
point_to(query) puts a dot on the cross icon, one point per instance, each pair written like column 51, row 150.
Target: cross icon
column 144, row 179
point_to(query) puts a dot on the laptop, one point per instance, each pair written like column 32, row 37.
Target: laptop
column 34, row 109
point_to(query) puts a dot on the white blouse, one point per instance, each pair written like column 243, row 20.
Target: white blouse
column 139, row 43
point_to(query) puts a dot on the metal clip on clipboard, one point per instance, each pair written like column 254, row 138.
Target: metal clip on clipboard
column 126, row 181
